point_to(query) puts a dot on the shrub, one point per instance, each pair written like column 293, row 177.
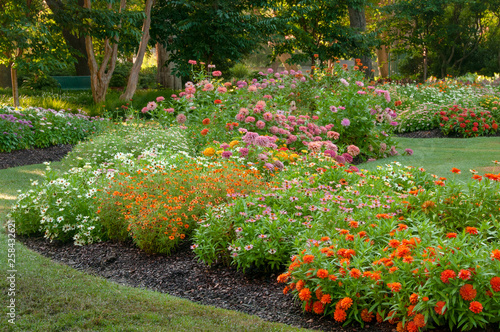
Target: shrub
column 466, row 122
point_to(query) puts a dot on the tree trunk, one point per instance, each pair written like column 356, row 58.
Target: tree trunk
column 357, row 20
column 164, row 77
column 15, row 89
column 136, row 67
column 100, row 75
column 425, row 63
column 76, row 42
column 383, row 65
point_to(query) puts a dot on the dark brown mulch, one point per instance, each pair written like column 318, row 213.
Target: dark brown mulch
column 33, row 156
column 181, row 275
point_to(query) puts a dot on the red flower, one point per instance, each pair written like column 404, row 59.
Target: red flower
column 318, row 307
column 206, row 121
column 455, row 170
column 495, row 284
column 471, row 230
column 326, row 299
column 494, row 126
column 308, row 258
column 495, row 254
column 305, row 294
column 355, row 273
column 464, row 274
column 322, row 273
column 395, row 287
column 475, row 307
column 439, row 183
column 366, row 316
column 217, row 101
column 468, row 292
column 419, row 320
column 446, row 275
column 439, row 308
column 340, row 315
column 204, row 132
column 451, row 235
column 345, row 303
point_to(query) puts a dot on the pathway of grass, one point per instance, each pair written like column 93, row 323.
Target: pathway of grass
column 54, row 297
column 439, row 155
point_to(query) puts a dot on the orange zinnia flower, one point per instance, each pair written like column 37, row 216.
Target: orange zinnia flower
column 206, row 121
column 340, row 315
column 475, row 307
column 355, row 273
column 495, row 284
column 305, row 294
column 308, row 259
column 455, row 170
column 471, row 230
column 495, row 254
column 318, row 307
column 322, row 273
column 438, row 308
column 468, row 292
column 345, row 303
column 326, row 299
column 366, row 316
column 446, row 275
column 419, row 320
column 395, row 287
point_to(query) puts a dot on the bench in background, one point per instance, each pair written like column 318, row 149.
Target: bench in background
column 73, row 82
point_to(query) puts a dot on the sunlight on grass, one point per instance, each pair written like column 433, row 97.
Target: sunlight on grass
column 440, row 155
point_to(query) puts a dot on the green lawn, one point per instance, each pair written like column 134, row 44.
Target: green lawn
column 54, row 297
column 440, row 155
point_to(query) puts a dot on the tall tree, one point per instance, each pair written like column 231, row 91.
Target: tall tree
column 308, row 28
column 66, row 16
column 136, row 67
column 357, row 21
column 25, row 39
column 219, row 32
column 107, row 23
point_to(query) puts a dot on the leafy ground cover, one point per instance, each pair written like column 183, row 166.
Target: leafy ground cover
column 261, row 171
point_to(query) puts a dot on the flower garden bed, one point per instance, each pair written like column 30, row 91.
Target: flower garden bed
column 259, row 172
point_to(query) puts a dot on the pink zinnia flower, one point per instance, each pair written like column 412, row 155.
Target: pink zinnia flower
column 227, row 154
column 260, row 124
column 169, row 110
column 192, row 62
column 160, row 99
column 217, row 73
column 345, row 122
column 353, row 150
column 221, row 89
column 181, row 118
column 252, row 88
column 250, row 119
column 151, row 105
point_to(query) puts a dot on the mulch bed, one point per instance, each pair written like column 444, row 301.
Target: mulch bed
column 180, row 274
column 33, row 156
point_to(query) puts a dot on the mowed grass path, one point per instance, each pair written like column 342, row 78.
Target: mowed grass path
column 439, row 155
column 54, row 297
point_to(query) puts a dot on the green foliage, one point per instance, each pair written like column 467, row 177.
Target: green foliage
column 306, row 28
column 26, row 40
column 239, row 71
column 214, row 32
column 36, row 127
